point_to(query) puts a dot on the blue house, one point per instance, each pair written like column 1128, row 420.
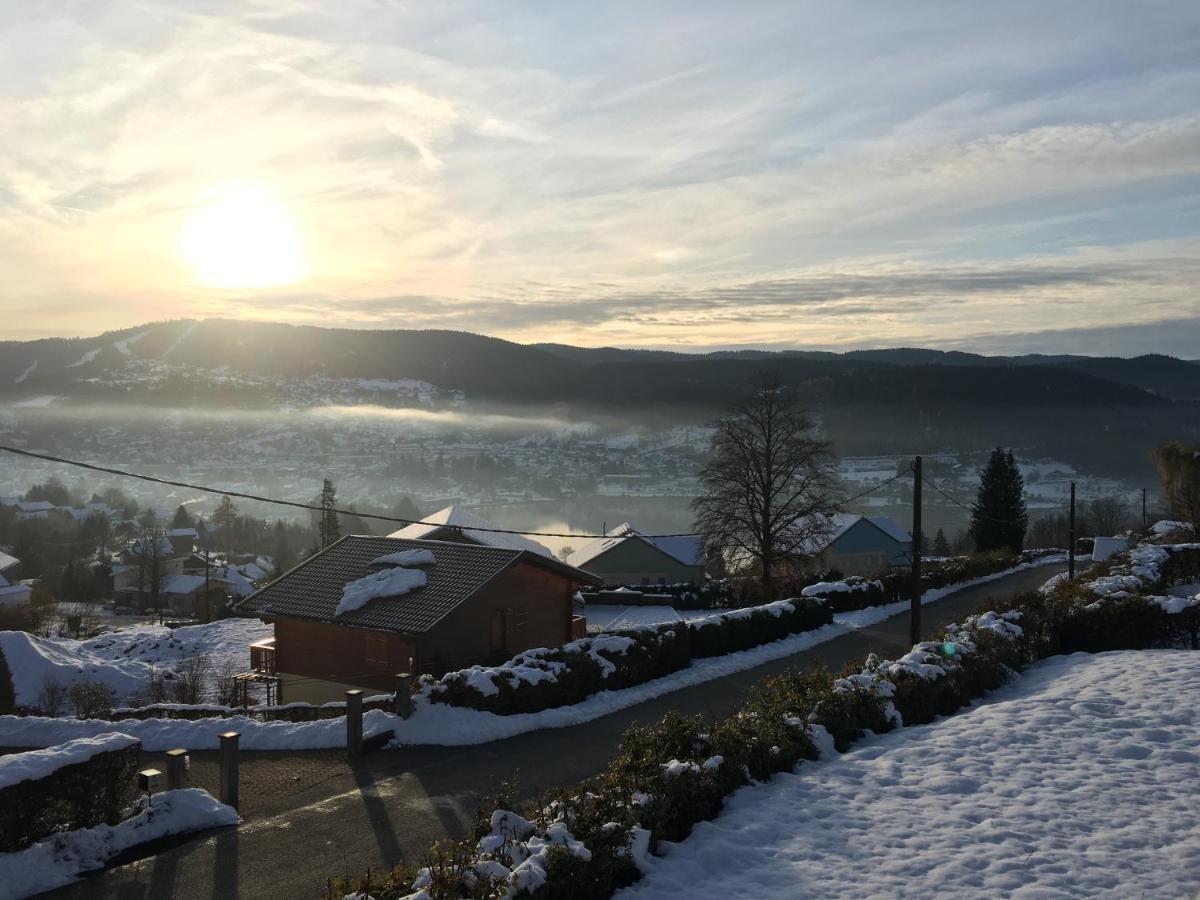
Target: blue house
column 860, row 545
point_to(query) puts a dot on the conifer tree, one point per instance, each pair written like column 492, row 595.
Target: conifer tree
column 226, row 519
column 941, row 546
column 327, row 525
column 999, row 518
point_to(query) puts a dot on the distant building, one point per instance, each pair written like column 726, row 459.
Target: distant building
column 625, row 556
column 453, row 523
column 182, row 540
column 477, row 604
column 14, row 594
column 858, row 545
column 10, row 566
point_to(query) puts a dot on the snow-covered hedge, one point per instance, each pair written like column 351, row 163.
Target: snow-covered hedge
column 549, row 677
column 546, row 678
column 74, row 785
column 860, row 593
column 741, row 629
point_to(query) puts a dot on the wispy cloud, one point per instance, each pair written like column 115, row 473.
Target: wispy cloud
column 676, row 174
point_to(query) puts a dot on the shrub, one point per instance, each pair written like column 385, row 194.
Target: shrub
column 92, row 700
column 546, row 678
column 743, row 629
column 80, row 795
column 52, row 697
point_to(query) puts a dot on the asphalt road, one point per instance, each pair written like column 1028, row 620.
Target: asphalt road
column 393, row 804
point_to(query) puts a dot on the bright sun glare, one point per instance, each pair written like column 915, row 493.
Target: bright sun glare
column 244, row 239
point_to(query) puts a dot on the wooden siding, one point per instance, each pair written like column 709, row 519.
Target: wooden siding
column 524, row 607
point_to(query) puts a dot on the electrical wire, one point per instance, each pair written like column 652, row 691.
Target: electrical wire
column 312, row 507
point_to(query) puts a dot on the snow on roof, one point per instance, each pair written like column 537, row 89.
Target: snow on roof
column 384, row 583
column 687, row 549
column 35, row 505
column 889, row 526
column 468, row 522
column 596, row 546
column 839, row 523
column 182, row 584
column 183, row 532
column 7, row 561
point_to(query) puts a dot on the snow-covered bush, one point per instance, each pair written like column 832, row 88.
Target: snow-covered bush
column 74, row 785
column 742, row 629
column 545, row 678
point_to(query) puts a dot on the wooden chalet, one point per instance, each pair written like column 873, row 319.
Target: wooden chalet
column 479, row 604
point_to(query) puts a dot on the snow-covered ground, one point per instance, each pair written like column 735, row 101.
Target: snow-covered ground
column 124, row 659
column 1075, row 780
column 614, row 617
column 63, row 858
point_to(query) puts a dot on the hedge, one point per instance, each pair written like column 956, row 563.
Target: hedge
column 585, row 842
column 80, row 795
column 860, row 593
column 546, row 678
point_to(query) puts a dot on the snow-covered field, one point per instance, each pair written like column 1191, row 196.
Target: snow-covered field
column 125, row 659
column 63, row 858
column 1078, row 779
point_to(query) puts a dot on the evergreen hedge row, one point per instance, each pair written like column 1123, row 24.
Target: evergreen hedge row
column 543, row 679
column 80, row 795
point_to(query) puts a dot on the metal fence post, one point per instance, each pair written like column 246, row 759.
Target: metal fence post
column 229, row 768
column 354, row 723
column 177, row 765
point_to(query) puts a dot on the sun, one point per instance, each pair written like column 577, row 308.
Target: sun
column 245, row 238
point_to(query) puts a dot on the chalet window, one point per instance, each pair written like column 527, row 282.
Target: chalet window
column 521, row 619
column 377, row 650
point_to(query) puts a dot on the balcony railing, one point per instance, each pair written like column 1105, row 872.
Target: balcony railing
column 262, row 656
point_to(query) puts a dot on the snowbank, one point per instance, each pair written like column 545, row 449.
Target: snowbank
column 63, row 858
column 124, row 660
column 37, row 764
column 1060, row 784
column 198, row 734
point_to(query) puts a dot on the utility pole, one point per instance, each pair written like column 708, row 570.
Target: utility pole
column 1071, row 537
column 207, row 587
column 1143, row 509
column 914, row 631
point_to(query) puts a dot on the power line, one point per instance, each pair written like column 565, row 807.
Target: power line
column 295, row 504
column 959, row 503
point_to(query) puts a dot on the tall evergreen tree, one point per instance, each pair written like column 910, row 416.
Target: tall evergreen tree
column 225, row 518
column 182, row 518
column 327, row 525
column 941, row 546
column 999, row 518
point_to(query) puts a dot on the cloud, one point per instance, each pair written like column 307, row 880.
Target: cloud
column 916, row 176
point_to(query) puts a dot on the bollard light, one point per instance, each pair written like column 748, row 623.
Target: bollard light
column 149, row 780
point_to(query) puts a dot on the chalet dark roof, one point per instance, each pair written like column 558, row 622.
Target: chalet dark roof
column 313, row 589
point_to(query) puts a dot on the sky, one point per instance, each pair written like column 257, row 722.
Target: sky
column 1005, row 177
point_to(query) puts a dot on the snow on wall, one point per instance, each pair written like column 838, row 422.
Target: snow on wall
column 36, row 764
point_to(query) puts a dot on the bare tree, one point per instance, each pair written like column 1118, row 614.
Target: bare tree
column 52, row 697
column 191, row 675
column 1106, row 515
column 769, row 482
column 1179, row 466
column 227, row 687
